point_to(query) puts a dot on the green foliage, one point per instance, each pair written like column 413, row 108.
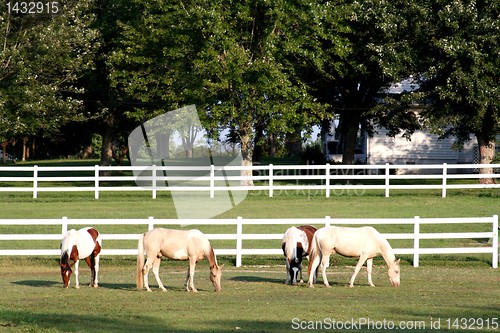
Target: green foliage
column 458, row 53
column 40, row 63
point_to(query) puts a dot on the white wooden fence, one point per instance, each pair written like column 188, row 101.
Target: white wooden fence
column 239, row 236
column 274, row 179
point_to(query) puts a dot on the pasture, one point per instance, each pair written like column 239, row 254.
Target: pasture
column 253, row 297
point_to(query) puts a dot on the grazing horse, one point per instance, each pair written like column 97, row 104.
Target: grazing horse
column 190, row 245
column 295, row 244
column 364, row 243
column 82, row 244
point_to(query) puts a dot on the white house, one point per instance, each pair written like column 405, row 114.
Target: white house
column 423, row 148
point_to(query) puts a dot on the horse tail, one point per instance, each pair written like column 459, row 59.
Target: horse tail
column 290, row 247
column 314, row 252
column 140, row 262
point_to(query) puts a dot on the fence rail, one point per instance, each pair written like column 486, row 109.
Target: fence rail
column 239, row 251
column 270, row 178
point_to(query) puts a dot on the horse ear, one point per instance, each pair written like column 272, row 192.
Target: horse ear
column 398, row 261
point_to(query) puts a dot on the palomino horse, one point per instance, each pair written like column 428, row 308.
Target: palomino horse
column 364, row 242
column 190, row 245
column 295, row 244
column 85, row 243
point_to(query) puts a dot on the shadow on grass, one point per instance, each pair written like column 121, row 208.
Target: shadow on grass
column 253, row 278
column 27, row 320
column 37, row 283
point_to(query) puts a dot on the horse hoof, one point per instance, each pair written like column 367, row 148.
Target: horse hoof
column 77, row 287
column 149, row 290
column 311, row 286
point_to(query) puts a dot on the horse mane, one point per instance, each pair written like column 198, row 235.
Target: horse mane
column 386, row 251
column 212, row 259
column 65, row 259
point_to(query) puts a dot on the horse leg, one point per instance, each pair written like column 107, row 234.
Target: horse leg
column 156, row 272
column 369, row 268
column 145, row 272
column 325, row 263
column 77, row 283
column 190, row 276
column 90, row 260
column 360, row 263
column 313, row 269
column 96, row 270
column 300, row 271
column 288, row 277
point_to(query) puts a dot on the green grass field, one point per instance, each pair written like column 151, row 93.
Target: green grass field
column 443, row 290
column 253, row 299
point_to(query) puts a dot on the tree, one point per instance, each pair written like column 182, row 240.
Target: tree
column 108, row 107
column 41, row 60
column 460, row 70
column 226, row 57
column 379, row 55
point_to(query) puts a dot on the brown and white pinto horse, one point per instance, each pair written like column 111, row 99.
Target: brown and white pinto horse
column 190, row 245
column 85, row 244
column 364, row 243
column 296, row 244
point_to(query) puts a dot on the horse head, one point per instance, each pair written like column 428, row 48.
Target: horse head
column 65, row 270
column 394, row 273
column 215, row 276
column 294, row 267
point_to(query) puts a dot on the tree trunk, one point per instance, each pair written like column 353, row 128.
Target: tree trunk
column 107, row 149
column 87, row 151
column 4, row 151
column 25, row 149
column 293, row 143
column 486, row 156
column 349, row 126
column 246, row 153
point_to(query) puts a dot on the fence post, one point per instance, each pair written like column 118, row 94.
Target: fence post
column 271, row 174
column 35, row 181
column 495, row 258
column 416, row 241
column 387, row 180
column 327, row 221
column 327, row 179
column 153, row 180
column 212, row 181
column 239, row 240
column 445, row 174
column 96, row 181
column 151, row 223
column 64, row 225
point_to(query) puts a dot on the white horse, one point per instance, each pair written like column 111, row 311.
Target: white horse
column 190, row 245
column 364, row 243
column 85, row 243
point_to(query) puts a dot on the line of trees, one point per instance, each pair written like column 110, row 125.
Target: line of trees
column 268, row 70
